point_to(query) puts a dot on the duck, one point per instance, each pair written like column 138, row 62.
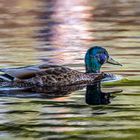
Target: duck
column 44, row 75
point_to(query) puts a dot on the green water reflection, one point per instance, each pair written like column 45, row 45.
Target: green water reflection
column 59, row 32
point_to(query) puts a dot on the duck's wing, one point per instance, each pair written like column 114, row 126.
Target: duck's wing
column 27, row 72
column 21, row 72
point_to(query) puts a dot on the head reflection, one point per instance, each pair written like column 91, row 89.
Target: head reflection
column 95, row 96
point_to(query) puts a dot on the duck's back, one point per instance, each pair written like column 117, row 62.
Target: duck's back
column 61, row 76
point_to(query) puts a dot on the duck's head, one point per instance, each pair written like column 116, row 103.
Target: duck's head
column 95, row 57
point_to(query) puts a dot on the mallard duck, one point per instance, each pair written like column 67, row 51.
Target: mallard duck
column 54, row 75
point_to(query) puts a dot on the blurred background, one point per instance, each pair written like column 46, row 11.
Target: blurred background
column 60, row 32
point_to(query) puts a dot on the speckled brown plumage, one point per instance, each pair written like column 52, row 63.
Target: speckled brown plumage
column 47, row 75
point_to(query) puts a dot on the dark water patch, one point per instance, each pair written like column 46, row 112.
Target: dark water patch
column 19, row 112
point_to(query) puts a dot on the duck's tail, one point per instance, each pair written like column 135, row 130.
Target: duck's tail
column 5, row 78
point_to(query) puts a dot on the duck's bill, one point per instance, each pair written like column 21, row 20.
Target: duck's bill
column 112, row 61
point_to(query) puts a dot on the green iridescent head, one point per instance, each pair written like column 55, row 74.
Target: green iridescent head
column 95, row 57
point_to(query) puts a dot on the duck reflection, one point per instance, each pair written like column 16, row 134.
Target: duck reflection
column 93, row 95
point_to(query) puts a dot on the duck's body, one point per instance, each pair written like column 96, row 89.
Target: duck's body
column 46, row 75
column 53, row 75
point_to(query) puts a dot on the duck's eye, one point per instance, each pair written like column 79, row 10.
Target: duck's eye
column 102, row 58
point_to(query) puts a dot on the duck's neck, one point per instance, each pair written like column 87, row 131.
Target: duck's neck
column 92, row 65
column 92, row 69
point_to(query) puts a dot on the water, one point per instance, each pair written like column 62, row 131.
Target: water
column 59, row 32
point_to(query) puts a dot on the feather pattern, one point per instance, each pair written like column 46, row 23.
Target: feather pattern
column 47, row 75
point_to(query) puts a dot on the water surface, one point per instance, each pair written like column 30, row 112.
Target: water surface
column 60, row 32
